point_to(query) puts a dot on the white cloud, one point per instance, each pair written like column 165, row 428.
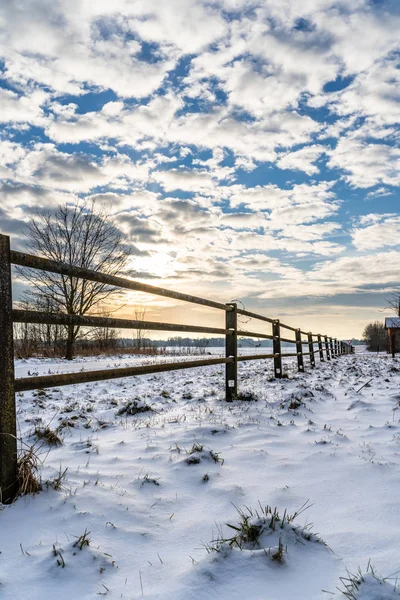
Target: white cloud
column 141, row 201
column 366, row 164
column 379, row 193
column 356, row 271
column 302, row 160
column 10, row 153
column 189, row 25
column 313, row 232
column 343, row 275
column 191, row 181
column 125, row 123
column 145, row 126
column 45, row 166
column 381, row 234
column 302, row 203
column 17, row 108
column 17, row 197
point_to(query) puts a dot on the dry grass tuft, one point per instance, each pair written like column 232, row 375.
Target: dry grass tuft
column 82, row 540
column 57, row 482
column 50, row 436
column 29, row 481
column 133, row 408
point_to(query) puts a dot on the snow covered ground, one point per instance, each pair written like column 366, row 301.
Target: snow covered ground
column 144, row 506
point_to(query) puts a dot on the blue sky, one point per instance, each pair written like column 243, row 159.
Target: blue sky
column 248, row 149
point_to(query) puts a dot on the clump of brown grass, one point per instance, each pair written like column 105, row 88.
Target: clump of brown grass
column 133, row 408
column 57, row 482
column 82, row 540
column 50, row 436
column 29, row 481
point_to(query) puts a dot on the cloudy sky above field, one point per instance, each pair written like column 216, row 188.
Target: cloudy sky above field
column 248, row 149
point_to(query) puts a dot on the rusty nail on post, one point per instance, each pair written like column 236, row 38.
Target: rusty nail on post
column 231, row 351
column 8, row 423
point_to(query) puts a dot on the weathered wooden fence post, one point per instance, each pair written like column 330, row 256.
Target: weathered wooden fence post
column 8, row 421
column 231, row 351
column 311, row 350
column 276, row 344
column 328, row 356
column 331, row 347
column 336, row 347
column 299, row 350
column 321, row 352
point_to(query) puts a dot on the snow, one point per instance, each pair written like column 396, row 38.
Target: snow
column 159, row 465
column 392, row 323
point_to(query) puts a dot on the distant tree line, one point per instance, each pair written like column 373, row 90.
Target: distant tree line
column 377, row 339
column 375, row 335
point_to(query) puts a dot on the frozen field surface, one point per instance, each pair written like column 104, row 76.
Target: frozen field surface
column 156, row 467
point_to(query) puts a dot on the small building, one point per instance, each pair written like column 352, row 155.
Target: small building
column 392, row 324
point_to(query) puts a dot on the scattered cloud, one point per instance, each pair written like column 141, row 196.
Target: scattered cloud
column 303, row 159
column 234, row 141
column 366, row 164
column 384, row 232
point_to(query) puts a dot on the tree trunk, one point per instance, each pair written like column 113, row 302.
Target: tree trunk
column 69, row 349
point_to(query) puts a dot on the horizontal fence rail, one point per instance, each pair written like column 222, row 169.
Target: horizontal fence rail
column 33, row 383
column 33, row 316
column 323, row 346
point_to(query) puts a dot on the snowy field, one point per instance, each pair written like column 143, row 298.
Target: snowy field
column 157, row 467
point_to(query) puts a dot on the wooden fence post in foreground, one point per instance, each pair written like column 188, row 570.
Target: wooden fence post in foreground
column 299, row 350
column 331, row 347
column 328, row 356
column 276, row 344
column 321, row 352
column 231, row 351
column 311, row 350
column 8, row 422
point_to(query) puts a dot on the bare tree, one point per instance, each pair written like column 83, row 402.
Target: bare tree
column 201, row 344
column 375, row 336
column 34, row 338
column 140, row 333
column 105, row 338
column 82, row 236
column 393, row 303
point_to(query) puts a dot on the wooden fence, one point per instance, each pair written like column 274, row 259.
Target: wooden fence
column 327, row 347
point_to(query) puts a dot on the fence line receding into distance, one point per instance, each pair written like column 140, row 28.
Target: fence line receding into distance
column 332, row 347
